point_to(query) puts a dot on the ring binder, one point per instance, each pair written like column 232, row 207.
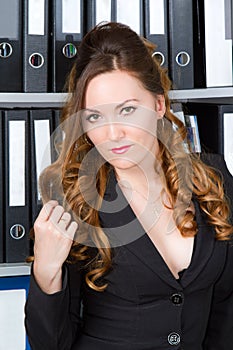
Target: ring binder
column 181, row 62
column 156, row 28
column 16, row 182
column 11, row 46
column 67, row 31
column 35, row 67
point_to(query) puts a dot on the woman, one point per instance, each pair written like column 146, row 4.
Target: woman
column 149, row 264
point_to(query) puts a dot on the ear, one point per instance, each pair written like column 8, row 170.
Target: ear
column 160, row 106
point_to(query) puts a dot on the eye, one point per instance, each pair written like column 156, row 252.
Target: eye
column 127, row 110
column 93, row 118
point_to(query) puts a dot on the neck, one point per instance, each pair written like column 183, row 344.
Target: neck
column 137, row 178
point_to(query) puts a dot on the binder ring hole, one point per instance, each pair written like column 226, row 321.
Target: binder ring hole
column 5, row 50
column 159, row 56
column 36, row 60
column 182, row 58
column 17, row 231
column 69, row 50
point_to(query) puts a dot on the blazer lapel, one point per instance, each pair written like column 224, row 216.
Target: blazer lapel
column 123, row 228
column 146, row 251
column 204, row 245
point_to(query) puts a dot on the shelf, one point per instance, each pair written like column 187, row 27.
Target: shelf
column 45, row 100
column 199, row 94
column 14, row 269
column 27, row 100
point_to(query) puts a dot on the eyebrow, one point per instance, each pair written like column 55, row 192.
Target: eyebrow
column 128, row 100
column 91, row 110
column 117, row 107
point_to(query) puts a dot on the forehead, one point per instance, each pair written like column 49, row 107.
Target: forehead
column 114, row 87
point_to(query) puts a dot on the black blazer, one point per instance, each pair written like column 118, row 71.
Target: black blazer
column 144, row 307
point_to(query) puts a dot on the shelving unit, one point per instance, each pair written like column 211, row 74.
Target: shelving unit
column 27, row 100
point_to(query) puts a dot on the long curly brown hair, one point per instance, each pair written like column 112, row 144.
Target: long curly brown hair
column 109, row 47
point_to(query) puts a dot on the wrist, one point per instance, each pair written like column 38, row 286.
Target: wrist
column 48, row 278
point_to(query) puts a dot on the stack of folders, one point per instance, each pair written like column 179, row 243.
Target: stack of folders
column 215, row 122
column 192, row 143
column 192, row 133
column 28, row 149
column 189, row 45
column 194, row 38
column 195, row 51
column 38, row 43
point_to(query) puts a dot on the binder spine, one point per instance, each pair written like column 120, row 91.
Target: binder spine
column 67, row 32
column 35, row 32
column 11, row 46
column 40, row 131
column 156, row 31
column 16, row 177
column 90, row 9
column 122, row 12
column 199, row 44
column 98, row 11
column 2, row 241
column 181, row 62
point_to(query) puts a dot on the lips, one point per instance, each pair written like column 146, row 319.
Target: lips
column 121, row 150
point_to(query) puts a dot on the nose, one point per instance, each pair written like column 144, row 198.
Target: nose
column 115, row 131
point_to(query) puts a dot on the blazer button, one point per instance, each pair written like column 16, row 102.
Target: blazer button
column 177, row 299
column 173, row 338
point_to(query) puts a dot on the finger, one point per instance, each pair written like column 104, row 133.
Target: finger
column 56, row 214
column 64, row 220
column 47, row 210
column 71, row 230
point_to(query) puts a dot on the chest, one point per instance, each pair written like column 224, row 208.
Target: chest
column 175, row 249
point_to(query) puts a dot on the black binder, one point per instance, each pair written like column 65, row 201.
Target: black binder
column 215, row 123
column 1, row 191
column 181, row 63
column 17, row 179
column 67, row 32
column 199, row 44
column 129, row 12
column 11, row 46
column 40, row 132
column 35, row 60
column 98, row 11
column 57, row 135
column 156, row 28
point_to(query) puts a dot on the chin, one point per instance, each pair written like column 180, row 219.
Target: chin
column 122, row 164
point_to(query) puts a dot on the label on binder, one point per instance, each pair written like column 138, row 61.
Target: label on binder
column 17, row 163
column 128, row 12
column 71, row 16
column 36, row 17
column 103, row 11
column 42, row 148
column 157, row 25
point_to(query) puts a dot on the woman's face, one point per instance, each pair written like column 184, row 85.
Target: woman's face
column 120, row 118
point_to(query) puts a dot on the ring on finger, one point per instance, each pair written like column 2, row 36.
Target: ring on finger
column 65, row 218
column 62, row 219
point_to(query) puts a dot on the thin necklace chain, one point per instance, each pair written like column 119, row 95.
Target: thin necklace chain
column 156, row 203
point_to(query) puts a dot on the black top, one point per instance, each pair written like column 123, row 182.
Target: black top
column 144, row 307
